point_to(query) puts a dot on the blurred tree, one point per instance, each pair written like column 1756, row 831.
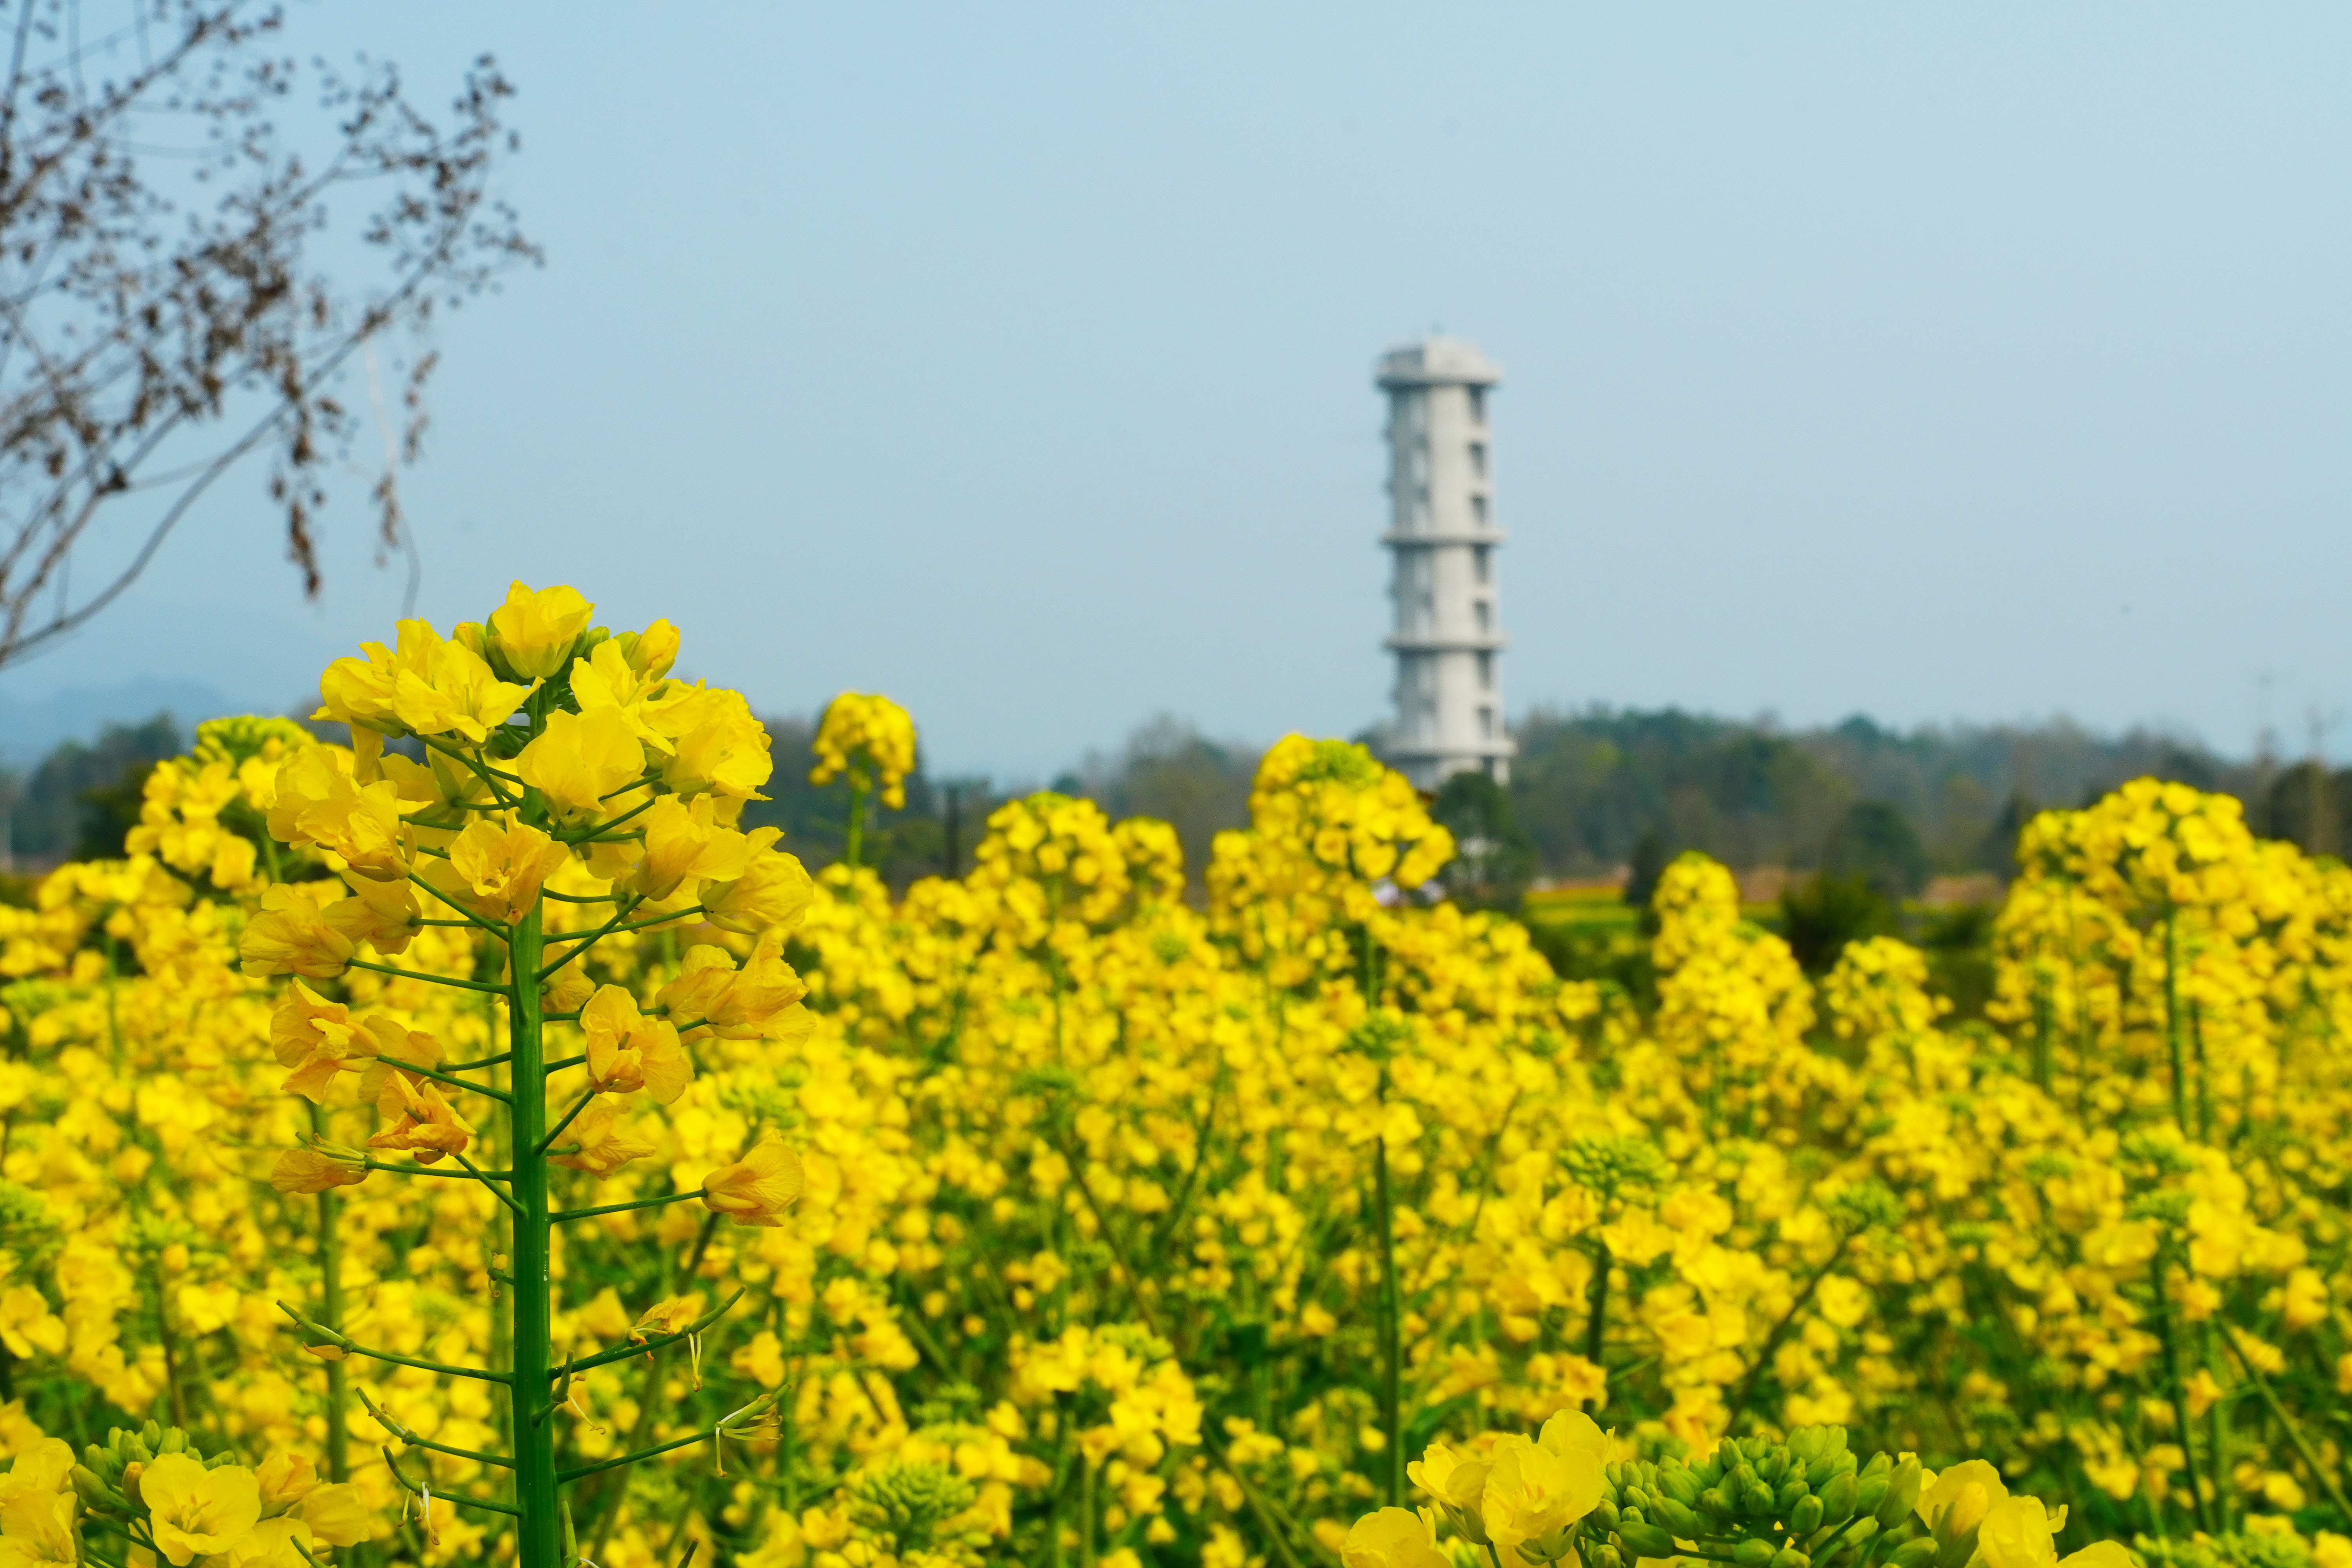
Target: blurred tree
column 1651, row 858
column 1822, row 913
column 2311, row 807
column 159, row 330
column 85, row 796
column 1168, row 769
column 1493, row 857
column 1876, row 844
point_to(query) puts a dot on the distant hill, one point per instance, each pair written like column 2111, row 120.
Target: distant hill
column 32, row 728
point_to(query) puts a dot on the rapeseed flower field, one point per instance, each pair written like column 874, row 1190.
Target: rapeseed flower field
column 467, row 1143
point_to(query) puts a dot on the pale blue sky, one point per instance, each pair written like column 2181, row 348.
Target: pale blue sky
column 1935, row 363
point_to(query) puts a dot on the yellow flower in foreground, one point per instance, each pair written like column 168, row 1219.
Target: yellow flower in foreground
column 535, row 631
column 497, row 871
column 196, row 1512
column 336, row 1514
column 594, row 1144
column 314, row 1171
column 1532, row 1492
column 627, row 1051
column 772, row 894
column 757, row 1189
column 1393, row 1538
column 581, row 758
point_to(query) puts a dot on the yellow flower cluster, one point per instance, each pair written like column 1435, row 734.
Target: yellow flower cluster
column 870, row 738
column 1128, row 1231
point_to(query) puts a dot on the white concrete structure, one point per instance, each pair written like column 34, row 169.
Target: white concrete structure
column 1448, row 639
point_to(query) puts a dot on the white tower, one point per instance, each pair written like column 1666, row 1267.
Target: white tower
column 1448, row 639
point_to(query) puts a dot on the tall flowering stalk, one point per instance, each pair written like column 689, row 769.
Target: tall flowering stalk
column 563, row 791
column 870, row 741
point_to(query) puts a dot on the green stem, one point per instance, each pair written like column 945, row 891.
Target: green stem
column 2319, row 1472
column 2172, row 1032
column 433, row 979
column 1391, row 1332
column 330, row 1312
column 2176, row 1389
column 533, row 1446
column 1596, row 1326
column 561, row 1216
column 849, row 855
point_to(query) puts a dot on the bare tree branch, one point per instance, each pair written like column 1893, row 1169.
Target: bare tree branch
column 156, row 330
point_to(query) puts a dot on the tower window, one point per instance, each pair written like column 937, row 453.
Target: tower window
column 1485, row 671
column 1478, row 510
column 1478, row 459
column 1485, row 724
column 1477, row 404
column 1481, row 565
column 1485, row 611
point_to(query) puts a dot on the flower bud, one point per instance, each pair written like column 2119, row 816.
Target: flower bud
column 1680, row 1484
column 1964, row 1513
column 1818, row 1473
column 1914, row 1553
column 1680, row 1518
column 1757, row 1502
column 1902, row 1495
column 1838, row 1499
column 1872, row 1491
column 1790, row 1490
column 1752, row 1553
column 1805, row 1515
column 1605, row 1515
column 1955, row 1552
column 1790, row 1557
column 1640, row 1540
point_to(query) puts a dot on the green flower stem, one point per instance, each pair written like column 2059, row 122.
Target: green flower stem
column 484, row 1177
column 1781, row 1329
column 482, row 1089
column 330, row 1312
column 2319, row 1472
column 855, row 838
column 467, row 1175
column 562, row 1215
column 2172, row 1037
column 1596, row 1324
column 1392, row 1332
column 472, row 918
column 569, row 1117
column 533, row 1443
column 413, row 1490
column 660, row 1342
column 2177, row 1388
column 433, row 979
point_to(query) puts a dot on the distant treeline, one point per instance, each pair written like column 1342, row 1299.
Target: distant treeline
column 1591, row 794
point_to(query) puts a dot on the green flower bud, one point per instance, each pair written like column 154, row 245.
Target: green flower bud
column 1807, row 1444
column 1838, row 1499
column 1804, row 1515
column 1756, row 1503
column 1639, row 1540
column 1752, row 1553
column 1790, row 1557
column 1957, row 1552
column 1902, row 1496
column 1872, row 1491
column 1741, row 1478
column 1914, row 1553
column 1790, row 1490
column 1880, row 1464
column 1680, row 1484
column 1606, row 1557
column 1605, row 1515
column 1632, row 1516
column 1683, row 1521
column 1715, row 1501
